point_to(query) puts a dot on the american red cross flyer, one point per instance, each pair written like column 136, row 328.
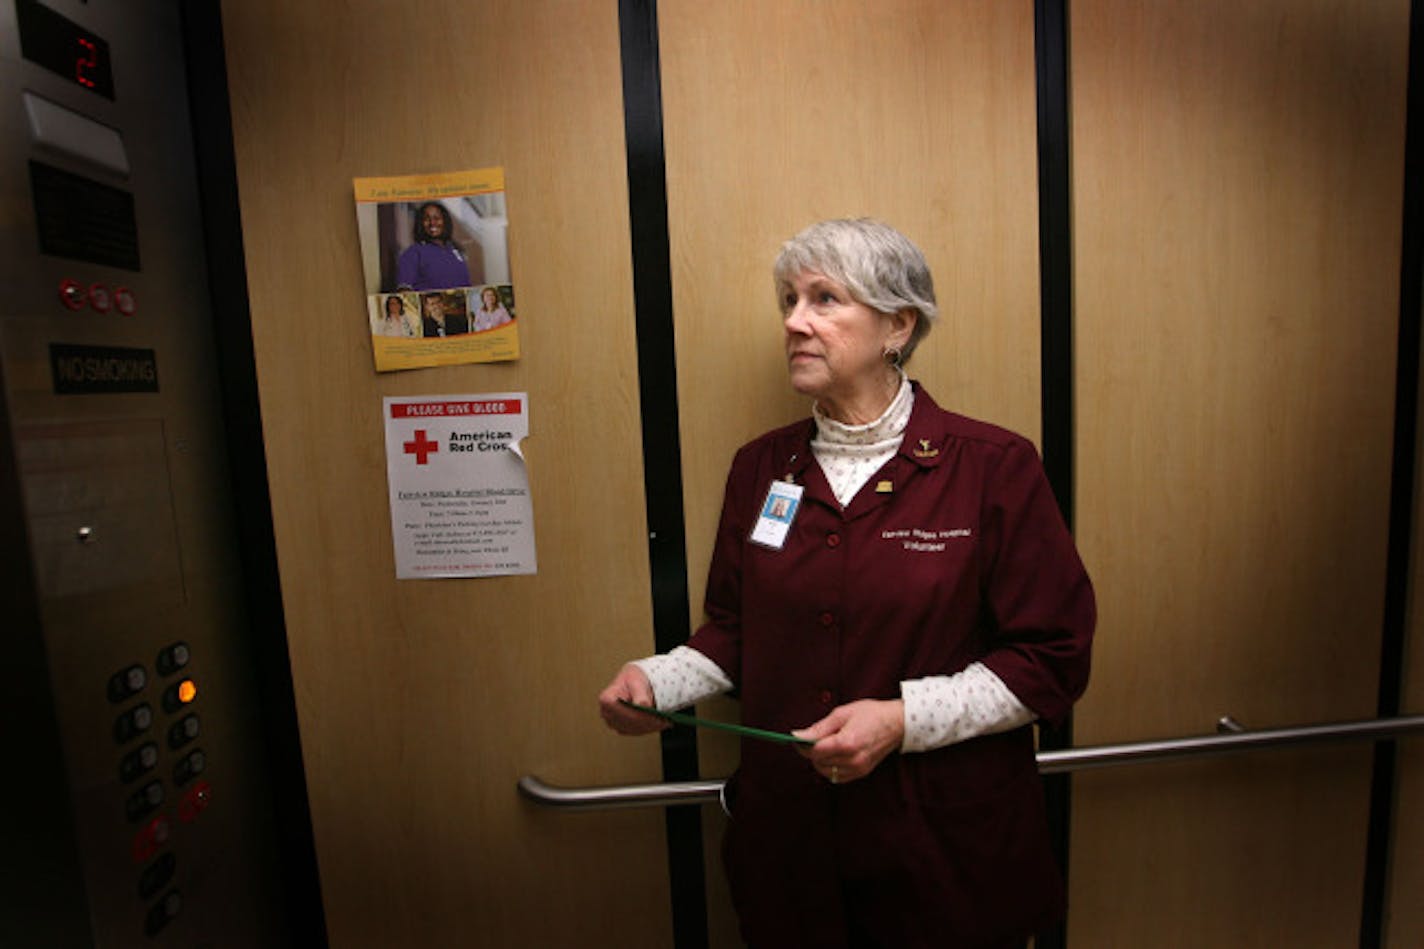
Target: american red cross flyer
column 459, row 490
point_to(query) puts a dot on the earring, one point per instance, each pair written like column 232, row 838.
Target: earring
column 892, row 356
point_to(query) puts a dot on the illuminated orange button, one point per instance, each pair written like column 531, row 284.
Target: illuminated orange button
column 179, row 694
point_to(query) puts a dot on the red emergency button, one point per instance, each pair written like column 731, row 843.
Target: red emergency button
column 195, row 802
column 825, row 696
column 100, row 298
column 833, row 540
column 124, row 301
column 72, row 295
column 150, row 838
column 828, row 618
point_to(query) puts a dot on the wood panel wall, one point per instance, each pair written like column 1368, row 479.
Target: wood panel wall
column 1237, row 186
column 422, row 702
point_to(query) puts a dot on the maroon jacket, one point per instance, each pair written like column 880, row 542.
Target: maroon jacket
column 965, row 557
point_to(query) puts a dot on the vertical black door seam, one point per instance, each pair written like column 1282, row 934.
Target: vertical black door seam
column 1055, row 262
column 662, row 452
column 1380, row 832
column 214, row 156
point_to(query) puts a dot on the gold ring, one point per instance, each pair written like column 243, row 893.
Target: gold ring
column 835, row 775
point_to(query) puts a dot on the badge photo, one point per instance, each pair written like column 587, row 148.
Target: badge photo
column 778, row 512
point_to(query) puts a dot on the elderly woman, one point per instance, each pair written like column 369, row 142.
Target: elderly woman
column 917, row 605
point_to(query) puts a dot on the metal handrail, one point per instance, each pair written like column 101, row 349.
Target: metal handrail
column 621, row 795
column 1049, row 762
column 1099, row 756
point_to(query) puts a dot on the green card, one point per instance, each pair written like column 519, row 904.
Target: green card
column 745, row 730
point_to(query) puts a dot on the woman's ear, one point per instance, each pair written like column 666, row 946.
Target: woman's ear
column 902, row 327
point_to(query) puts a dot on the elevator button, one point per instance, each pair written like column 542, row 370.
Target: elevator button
column 150, row 838
column 126, row 683
column 156, row 875
column 133, row 723
column 172, row 658
column 179, row 694
column 194, row 801
column 100, row 298
column 163, row 912
column 142, row 802
column 183, row 731
column 71, row 294
column 124, row 301
column 191, row 766
column 138, row 762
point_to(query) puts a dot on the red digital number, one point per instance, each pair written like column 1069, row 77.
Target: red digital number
column 88, row 60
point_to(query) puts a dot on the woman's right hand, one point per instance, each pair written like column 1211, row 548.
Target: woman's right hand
column 630, row 685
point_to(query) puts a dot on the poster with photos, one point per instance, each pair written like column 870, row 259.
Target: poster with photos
column 435, row 255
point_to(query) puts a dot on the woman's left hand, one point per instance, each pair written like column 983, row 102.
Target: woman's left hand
column 854, row 738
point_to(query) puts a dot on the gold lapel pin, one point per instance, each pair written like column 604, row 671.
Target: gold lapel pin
column 925, row 451
column 884, row 487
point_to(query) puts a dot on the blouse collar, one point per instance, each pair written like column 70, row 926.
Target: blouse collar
column 889, row 426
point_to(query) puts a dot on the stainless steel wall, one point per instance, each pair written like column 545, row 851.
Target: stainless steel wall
column 148, row 794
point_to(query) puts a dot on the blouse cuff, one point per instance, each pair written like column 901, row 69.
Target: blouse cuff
column 943, row 710
column 683, row 677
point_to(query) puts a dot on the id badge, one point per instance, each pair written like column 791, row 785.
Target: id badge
column 777, row 513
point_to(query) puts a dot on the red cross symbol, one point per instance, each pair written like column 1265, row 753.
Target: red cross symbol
column 421, row 447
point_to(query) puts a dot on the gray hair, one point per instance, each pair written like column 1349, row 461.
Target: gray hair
column 878, row 265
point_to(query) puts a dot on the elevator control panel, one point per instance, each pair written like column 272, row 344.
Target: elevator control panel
column 115, row 430
column 145, row 792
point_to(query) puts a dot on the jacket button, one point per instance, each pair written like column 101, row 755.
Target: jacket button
column 833, row 540
column 826, row 696
column 828, row 619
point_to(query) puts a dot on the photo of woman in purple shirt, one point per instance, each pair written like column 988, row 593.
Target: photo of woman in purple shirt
column 433, row 262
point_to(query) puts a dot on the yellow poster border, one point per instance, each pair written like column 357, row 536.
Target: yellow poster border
column 396, row 188
column 500, row 344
